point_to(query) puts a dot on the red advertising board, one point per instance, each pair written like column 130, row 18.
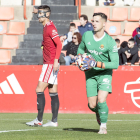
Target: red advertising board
column 18, row 84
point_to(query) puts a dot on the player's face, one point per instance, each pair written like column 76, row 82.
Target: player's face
column 82, row 21
column 130, row 44
column 98, row 23
column 74, row 39
column 72, row 28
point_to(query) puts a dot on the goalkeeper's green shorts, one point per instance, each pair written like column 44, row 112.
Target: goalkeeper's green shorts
column 98, row 82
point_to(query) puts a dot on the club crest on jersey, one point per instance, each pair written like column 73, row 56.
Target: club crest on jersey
column 54, row 32
column 101, row 47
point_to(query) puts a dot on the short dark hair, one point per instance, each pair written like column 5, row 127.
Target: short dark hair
column 124, row 44
column 72, row 24
column 84, row 17
column 104, row 16
column 117, row 40
column 45, row 7
column 132, row 40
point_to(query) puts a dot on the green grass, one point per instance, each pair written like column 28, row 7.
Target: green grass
column 71, row 127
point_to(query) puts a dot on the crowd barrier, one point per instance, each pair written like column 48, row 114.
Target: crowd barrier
column 18, row 84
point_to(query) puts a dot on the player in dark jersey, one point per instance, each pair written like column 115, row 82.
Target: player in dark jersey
column 48, row 78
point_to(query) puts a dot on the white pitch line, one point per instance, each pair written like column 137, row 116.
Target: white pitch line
column 5, row 131
column 75, row 120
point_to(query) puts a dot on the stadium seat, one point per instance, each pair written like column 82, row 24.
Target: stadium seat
column 123, row 38
column 3, row 28
column 134, row 14
column 113, row 28
column 103, row 10
column 16, row 28
column 6, row 13
column 129, row 28
column 136, row 3
column 5, row 56
column 119, row 14
column 9, row 42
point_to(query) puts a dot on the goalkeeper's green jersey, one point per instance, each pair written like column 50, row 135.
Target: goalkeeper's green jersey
column 102, row 50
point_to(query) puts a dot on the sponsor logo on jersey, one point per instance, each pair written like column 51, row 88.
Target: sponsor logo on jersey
column 135, row 88
column 101, row 47
column 95, row 52
column 88, row 43
column 11, row 86
column 54, row 32
column 115, row 49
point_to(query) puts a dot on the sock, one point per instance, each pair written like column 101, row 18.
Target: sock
column 93, row 109
column 54, row 106
column 40, row 105
column 103, row 112
column 103, row 125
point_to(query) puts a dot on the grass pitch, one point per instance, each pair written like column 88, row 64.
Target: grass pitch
column 70, row 127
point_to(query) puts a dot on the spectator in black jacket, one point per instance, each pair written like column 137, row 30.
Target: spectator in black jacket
column 72, row 48
column 130, row 52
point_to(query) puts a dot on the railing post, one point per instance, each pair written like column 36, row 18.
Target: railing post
column 33, row 2
column 76, row 2
column 25, row 17
column 79, row 8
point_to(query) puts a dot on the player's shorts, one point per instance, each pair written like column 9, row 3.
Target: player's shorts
column 100, row 82
column 48, row 75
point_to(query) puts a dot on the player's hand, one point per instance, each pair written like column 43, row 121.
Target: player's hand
column 72, row 56
column 55, row 65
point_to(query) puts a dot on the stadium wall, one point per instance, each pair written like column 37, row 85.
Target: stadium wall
column 18, row 83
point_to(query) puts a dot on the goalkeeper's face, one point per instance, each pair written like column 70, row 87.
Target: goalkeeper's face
column 98, row 23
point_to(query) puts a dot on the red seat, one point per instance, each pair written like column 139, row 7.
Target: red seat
column 134, row 14
column 9, row 42
column 113, row 28
column 103, row 10
column 5, row 56
column 6, row 13
column 3, row 28
column 129, row 28
column 119, row 14
column 16, row 28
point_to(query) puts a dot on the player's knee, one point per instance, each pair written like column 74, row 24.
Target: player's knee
column 92, row 105
column 101, row 100
column 39, row 89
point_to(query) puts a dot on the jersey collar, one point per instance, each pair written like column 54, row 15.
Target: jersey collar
column 98, row 39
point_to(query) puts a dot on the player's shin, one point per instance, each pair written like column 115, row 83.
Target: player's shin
column 54, row 106
column 40, row 105
column 103, row 112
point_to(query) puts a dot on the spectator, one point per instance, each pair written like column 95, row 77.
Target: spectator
column 72, row 48
column 68, row 37
column 122, row 50
column 130, row 53
column 85, row 25
column 136, row 36
column 118, row 43
column 109, row 3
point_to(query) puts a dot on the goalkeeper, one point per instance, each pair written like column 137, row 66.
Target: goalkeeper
column 103, row 49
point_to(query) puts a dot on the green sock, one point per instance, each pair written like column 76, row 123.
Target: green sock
column 103, row 112
column 93, row 109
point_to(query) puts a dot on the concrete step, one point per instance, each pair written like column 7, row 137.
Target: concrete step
column 58, row 23
column 26, row 59
column 33, row 37
column 30, row 44
column 60, row 16
column 34, row 30
column 29, row 52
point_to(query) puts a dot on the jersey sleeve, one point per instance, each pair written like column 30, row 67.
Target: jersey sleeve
column 82, row 46
column 52, row 31
column 113, row 56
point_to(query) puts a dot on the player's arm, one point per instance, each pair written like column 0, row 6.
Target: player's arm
column 82, row 46
column 113, row 56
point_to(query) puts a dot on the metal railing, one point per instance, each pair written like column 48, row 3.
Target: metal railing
column 78, row 3
column 25, row 17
